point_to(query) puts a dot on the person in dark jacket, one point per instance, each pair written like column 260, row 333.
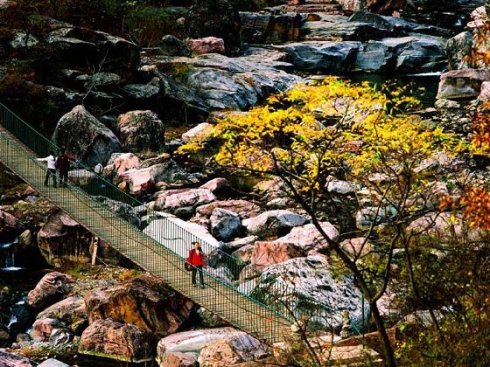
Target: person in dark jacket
column 63, row 166
column 197, row 259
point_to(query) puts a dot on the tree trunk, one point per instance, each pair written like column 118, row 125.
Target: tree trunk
column 388, row 349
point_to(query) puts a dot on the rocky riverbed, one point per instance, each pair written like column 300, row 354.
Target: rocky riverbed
column 108, row 100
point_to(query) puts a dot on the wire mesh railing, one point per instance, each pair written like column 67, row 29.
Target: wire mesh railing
column 115, row 217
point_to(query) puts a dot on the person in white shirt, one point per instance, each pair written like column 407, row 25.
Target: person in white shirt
column 51, row 171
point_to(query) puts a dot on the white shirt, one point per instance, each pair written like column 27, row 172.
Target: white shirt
column 51, row 161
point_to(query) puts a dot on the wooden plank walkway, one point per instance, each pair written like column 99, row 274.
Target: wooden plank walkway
column 217, row 297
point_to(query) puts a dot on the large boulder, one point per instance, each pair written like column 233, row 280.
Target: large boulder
column 416, row 53
column 308, row 237
column 200, row 131
column 217, row 185
column 274, row 222
column 206, row 45
column 233, row 351
column 115, row 340
column 311, row 292
column 14, row 360
column 265, row 254
column 216, row 18
column 62, row 241
column 49, row 290
column 80, row 133
column 328, row 57
column 194, row 341
column 144, row 301
column 120, row 163
column 225, row 225
column 51, row 362
column 462, row 84
column 213, row 82
column 173, row 199
column 457, row 49
column 144, row 178
column 141, row 131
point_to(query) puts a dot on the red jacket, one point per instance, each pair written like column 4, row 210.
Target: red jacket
column 196, row 259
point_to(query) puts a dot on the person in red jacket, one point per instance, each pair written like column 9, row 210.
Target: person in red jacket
column 197, row 259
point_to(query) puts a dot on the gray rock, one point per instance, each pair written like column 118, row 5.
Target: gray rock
column 101, row 80
column 310, row 290
column 215, row 82
column 308, row 237
column 59, row 337
column 366, row 216
column 225, row 224
column 457, row 48
column 328, row 57
column 125, row 211
column 341, row 187
column 273, row 221
column 201, row 130
column 173, row 199
column 195, row 340
column 238, row 243
column 142, row 92
column 462, row 84
column 172, row 46
column 395, row 25
column 141, row 131
column 83, row 135
column 23, row 40
column 51, row 362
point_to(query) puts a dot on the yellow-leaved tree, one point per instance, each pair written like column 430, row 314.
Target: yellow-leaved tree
column 314, row 134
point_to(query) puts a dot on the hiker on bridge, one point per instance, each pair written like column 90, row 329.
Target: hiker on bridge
column 51, row 171
column 63, row 166
column 197, row 259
